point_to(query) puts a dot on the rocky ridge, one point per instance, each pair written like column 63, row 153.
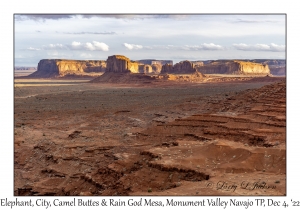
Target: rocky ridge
column 62, row 67
column 234, row 67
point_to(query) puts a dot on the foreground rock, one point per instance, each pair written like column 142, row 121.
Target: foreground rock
column 195, row 77
column 132, row 78
column 123, row 78
column 121, row 140
column 59, row 67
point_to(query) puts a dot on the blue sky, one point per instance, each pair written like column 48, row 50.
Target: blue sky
column 147, row 36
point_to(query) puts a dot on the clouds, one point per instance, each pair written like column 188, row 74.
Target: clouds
column 33, row 49
column 88, row 46
column 94, row 46
column 260, row 47
column 44, row 17
column 54, row 47
column 205, row 46
column 100, row 46
column 133, row 46
column 141, row 36
column 97, row 33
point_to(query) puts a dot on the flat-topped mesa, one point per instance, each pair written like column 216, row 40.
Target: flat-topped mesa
column 253, row 68
column 154, row 61
column 197, row 63
column 61, row 67
column 121, row 64
column 234, row 67
column 183, row 67
column 277, row 67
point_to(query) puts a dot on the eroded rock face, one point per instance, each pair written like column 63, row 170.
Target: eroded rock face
column 156, row 68
column 121, row 64
column 183, row 67
column 277, row 67
column 154, row 61
column 167, row 68
column 197, row 63
column 146, row 69
column 60, row 67
column 234, row 67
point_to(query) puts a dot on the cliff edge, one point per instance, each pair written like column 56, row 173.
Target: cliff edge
column 60, row 67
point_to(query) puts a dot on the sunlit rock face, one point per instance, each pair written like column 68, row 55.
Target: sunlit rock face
column 277, row 66
column 234, row 67
column 61, row 67
column 121, row 64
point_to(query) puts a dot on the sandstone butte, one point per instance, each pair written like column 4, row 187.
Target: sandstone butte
column 234, row 67
column 183, row 67
column 62, row 67
column 122, row 64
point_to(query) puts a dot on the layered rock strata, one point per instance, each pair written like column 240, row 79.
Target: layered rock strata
column 59, row 67
column 277, row 67
column 156, row 68
column 146, row 69
column 183, row 67
column 234, row 67
column 153, row 61
column 121, row 64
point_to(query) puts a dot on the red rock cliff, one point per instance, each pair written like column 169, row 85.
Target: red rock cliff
column 234, row 67
column 121, row 64
column 60, row 67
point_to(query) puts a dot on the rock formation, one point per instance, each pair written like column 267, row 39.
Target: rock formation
column 146, row 69
column 153, row 61
column 121, row 64
column 60, row 67
column 124, row 78
column 156, row 68
column 194, row 77
column 277, row 67
column 166, row 68
column 197, row 63
column 234, row 67
column 183, row 67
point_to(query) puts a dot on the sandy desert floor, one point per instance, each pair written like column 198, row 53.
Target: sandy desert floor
column 72, row 137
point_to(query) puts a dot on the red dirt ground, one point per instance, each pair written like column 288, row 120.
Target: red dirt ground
column 221, row 138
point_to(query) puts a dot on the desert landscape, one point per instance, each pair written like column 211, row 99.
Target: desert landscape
column 119, row 127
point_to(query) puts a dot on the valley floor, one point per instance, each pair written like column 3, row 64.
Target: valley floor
column 74, row 138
